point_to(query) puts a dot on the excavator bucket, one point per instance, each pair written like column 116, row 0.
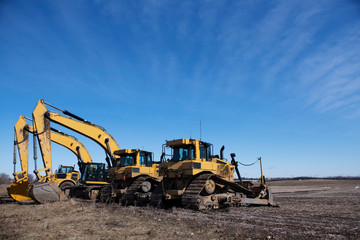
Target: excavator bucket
column 46, row 192
column 19, row 191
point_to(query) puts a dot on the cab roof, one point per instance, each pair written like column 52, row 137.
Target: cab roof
column 128, row 151
column 184, row 141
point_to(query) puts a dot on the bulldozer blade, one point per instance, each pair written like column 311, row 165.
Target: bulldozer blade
column 46, row 192
column 19, row 191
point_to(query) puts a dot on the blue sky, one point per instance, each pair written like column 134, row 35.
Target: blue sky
column 277, row 79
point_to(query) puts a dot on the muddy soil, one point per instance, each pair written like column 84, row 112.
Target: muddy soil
column 309, row 209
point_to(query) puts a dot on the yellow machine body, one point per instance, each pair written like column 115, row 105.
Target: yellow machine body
column 132, row 171
column 201, row 180
column 66, row 174
column 19, row 190
column 133, row 179
column 42, row 118
column 196, row 165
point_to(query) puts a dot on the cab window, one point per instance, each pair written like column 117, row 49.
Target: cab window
column 183, row 153
column 145, row 159
column 205, row 152
column 127, row 160
column 63, row 169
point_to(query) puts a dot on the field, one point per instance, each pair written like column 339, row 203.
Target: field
column 309, row 209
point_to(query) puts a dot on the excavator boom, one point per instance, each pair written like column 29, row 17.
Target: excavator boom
column 72, row 144
column 42, row 118
column 18, row 190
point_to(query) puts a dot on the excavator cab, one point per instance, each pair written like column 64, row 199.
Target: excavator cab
column 93, row 178
column 94, row 172
column 66, row 177
column 65, row 169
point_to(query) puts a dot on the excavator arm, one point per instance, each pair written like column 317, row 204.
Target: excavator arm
column 73, row 145
column 42, row 118
column 18, row 190
column 22, row 142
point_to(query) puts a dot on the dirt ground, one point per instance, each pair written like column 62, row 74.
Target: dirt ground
column 309, row 209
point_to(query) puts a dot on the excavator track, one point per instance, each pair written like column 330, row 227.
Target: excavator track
column 190, row 197
column 46, row 192
column 85, row 192
column 129, row 197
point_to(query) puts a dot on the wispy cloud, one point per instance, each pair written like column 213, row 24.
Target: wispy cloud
column 329, row 77
column 285, row 48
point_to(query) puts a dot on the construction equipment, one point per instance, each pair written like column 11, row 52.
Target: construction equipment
column 18, row 190
column 198, row 179
column 43, row 117
column 93, row 175
column 133, row 178
column 65, row 177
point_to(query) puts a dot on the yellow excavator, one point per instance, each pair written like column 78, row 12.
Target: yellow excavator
column 93, row 175
column 65, row 176
column 197, row 179
column 124, row 174
column 18, row 190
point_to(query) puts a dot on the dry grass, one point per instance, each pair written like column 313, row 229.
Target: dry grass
column 326, row 209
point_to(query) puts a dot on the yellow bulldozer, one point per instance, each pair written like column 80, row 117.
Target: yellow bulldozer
column 195, row 178
column 133, row 178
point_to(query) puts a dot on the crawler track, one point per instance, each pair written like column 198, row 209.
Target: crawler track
column 192, row 192
column 129, row 197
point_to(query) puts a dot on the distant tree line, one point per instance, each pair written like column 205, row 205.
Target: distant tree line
column 6, row 179
column 310, row 178
column 304, row 178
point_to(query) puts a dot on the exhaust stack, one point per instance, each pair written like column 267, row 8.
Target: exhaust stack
column 222, row 152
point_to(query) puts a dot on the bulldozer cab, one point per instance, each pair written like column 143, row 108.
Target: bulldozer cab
column 134, row 157
column 131, row 163
column 187, row 149
column 189, row 157
column 181, row 153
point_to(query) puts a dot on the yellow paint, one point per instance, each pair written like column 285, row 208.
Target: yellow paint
column 19, row 191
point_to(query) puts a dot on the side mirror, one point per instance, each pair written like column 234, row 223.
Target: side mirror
column 232, row 155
